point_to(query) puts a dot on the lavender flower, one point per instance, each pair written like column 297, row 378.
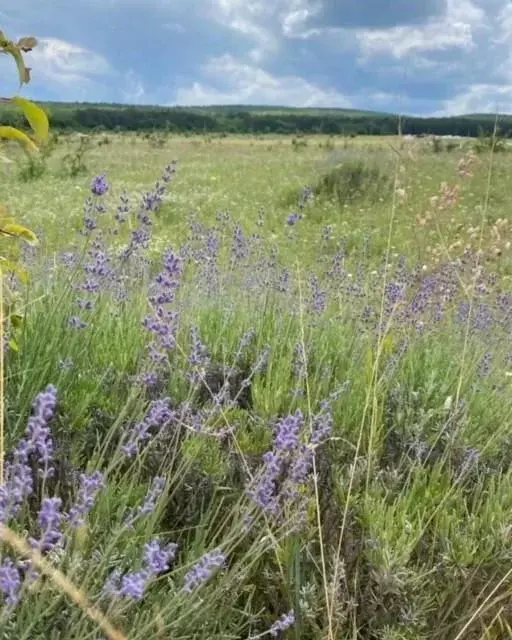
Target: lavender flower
column 318, row 296
column 204, row 570
column 18, row 485
column 76, row 323
column 287, row 469
column 240, row 247
column 322, row 427
column 484, row 368
column 156, row 560
column 299, row 470
column 293, row 218
column 150, row 501
column 198, row 358
column 37, row 435
column 123, row 208
column 10, row 582
column 163, row 322
column 288, row 432
column 263, row 492
column 100, row 186
column 469, row 461
column 285, row 622
column 50, row 520
column 159, row 416
column 133, row 585
column 89, row 488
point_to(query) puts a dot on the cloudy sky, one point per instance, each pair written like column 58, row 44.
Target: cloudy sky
column 409, row 56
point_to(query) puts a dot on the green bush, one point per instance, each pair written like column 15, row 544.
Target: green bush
column 354, row 179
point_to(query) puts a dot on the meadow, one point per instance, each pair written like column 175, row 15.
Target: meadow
column 263, row 391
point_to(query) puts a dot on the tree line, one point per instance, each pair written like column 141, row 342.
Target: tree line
column 253, row 120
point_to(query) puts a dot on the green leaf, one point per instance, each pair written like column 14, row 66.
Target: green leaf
column 13, row 267
column 14, row 345
column 23, row 71
column 16, row 320
column 36, row 117
column 10, row 133
column 18, row 231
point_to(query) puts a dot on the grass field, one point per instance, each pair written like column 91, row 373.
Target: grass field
column 269, row 396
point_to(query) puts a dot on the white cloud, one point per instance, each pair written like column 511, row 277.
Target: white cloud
column 479, row 98
column 134, row 91
column 65, row 70
column 455, row 29
column 242, row 83
column 294, row 18
column 65, row 63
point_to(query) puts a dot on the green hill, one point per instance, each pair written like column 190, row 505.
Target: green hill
column 254, row 119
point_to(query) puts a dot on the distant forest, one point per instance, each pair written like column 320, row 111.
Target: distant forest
column 254, row 120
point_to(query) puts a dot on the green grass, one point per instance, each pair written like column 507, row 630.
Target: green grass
column 401, row 528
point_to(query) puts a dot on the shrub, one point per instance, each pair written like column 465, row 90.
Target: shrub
column 354, row 179
column 73, row 163
column 33, row 166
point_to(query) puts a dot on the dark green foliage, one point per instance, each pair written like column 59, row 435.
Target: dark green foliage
column 254, row 120
column 353, row 180
column 34, row 166
column 74, row 162
column 493, row 141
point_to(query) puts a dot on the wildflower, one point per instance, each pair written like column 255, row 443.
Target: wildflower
column 133, row 585
column 150, row 501
column 123, row 208
column 159, row 415
column 37, row 435
column 469, row 461
column 89, row 488
column 156, row 560
column 17, row 487
column 240, row 248
column 288, row 432
column 263, row 494
column 100, row 186
column 318, row 296
column 198, row 358
column 204, row 570
column 285, row 622
column 163, row 322
column 293, row 218
column 10, row 582
column 306, row 196
column 484, row 367
column 50, row 520
column 76, row 323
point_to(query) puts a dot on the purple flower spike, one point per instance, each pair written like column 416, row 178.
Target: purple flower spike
column 204, row 570
column 293, row 219
column 285, row 622
column 150, row 501
column 50, row 519
column 89, row 489
column 100, row 186
column 10, row 582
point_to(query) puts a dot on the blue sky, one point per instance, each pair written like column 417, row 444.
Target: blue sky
column 413, row 56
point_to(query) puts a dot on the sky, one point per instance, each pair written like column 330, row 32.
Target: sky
column 417, row 57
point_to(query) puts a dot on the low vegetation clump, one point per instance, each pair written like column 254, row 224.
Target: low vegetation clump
column 355, row 179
